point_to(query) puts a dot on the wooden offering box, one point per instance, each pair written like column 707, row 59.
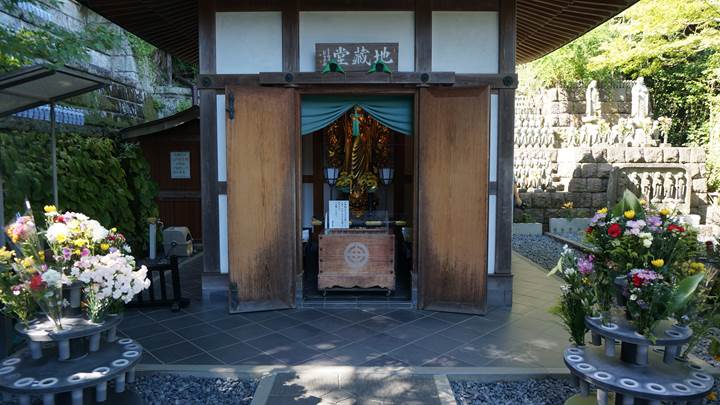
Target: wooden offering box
column 357, row 258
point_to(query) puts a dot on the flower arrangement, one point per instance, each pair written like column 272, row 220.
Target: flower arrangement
column 577, row 298
column 643, row 250
column 79, row 250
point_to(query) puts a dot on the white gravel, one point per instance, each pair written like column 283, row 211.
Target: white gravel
column 546, row 391
column 542, row 250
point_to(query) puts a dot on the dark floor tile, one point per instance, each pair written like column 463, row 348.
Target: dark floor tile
column 236, row 353
column 355, row 315
column 148, row 358
column 197, row 331
column 280, row 323
column 452, row 317
column 144, row 330
column 160, row 340
column 354, row 354
column 181, row 322
column 446, row 361
column 407, row 332
column 135, row 321
column 231, row 322
column 176, row 352
column 322, row 360
column 215, row 341
column 214, row 315
column 380, row 323
column 248, row 332
column 260, row 360
column 325, row 342
column 262, row 316
column 385, row 361
column 438, row 343
column 355, row 332
column 293, row 354
column 460, row 333
column 202, row 358
column 383, row 343
column 413, row 355
column 271, row 343
column 305, row 315
column 430, row 324
column 330, row 323
column 482, row 326
column 301, row 332
column 405, row 315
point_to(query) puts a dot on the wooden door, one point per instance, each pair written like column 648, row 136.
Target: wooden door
column 452, row 217
column 262, row 183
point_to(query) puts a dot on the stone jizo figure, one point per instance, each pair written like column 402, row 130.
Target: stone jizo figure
column 592, row 101
column 669, row 187
column 680, row 186
column 657, row 187
column 640, row 101
column 646, row 185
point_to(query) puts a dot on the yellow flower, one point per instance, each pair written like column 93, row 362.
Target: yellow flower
column 27, row 262
column 49, row 209
column 602, row 211
column 712, row 396
column 629, row 214
column 76, row 252
column 6, row 255
column 41, row 254
column 697, row 266
column 664, row 212
column 568, row 205
column 657, row 263
column 643, row 202
column 61, row 238
column 104, row 246
column 113, row 230
column 79, row 242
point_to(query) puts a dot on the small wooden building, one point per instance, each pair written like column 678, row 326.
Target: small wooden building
column 171, row 146
column 455, row 59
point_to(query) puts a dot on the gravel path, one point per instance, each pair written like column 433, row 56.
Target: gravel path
column 701, row 350
column 166, row 389
column 546, row 391
column 542, row 250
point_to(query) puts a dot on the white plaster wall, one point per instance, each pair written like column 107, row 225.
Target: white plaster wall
column 222, row 216
column 307, row 204
column 493, row 136
column 492, row 209
column 465, row 41
column 357, row 26
column 248, row 42
column 221, row 139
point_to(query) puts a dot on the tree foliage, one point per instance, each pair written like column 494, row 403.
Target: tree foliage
column 674, row 44
column 48, row 42
column 98, row 176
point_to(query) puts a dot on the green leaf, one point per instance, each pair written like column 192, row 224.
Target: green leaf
column 684, row 291
column 558, row 267
column 628, row 202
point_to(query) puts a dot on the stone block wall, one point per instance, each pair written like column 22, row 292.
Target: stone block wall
column 584, row 176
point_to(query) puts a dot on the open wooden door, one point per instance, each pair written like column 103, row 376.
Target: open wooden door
column 262, row 180
column 452, row 216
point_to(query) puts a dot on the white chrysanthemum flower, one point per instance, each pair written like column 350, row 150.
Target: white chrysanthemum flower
column 57, row 232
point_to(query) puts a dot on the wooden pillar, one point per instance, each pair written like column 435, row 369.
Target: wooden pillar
column 208, row 140
column 506, row 122
column 423, row 35
column 290, row 36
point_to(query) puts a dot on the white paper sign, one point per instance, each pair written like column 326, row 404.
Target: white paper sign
column 339, row 214
column 179, row 165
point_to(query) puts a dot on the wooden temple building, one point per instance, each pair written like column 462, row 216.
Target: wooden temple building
column 358, row 145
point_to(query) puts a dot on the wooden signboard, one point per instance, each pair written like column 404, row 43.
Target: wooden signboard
column 356, row 57
column 357, row 258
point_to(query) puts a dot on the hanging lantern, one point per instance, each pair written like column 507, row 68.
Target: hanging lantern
column 386, row 175
column 331, row 175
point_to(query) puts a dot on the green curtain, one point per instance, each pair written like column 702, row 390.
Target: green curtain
column 395, row 112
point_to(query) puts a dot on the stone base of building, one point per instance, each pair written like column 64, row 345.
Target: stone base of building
column 499, row 290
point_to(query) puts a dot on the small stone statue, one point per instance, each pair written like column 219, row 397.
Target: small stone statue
column 669, row 187
column 646, row 185
column 592, row 101
column 636, row 181
column 640, row 101
column 657, row 187
column 681, row 186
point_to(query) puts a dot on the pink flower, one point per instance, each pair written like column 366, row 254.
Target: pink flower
column 585, row 265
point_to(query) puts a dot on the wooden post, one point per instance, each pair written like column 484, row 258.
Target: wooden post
column 506, row 122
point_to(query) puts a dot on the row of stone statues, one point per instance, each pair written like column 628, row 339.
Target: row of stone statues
column 533, row 171
column 657, row 187
column 640, row 108
column 534, row 138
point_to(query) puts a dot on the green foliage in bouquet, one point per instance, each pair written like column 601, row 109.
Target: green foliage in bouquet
column 16, row 299
column 577, row 298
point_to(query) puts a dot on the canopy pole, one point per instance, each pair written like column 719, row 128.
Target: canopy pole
column 53, row 152
column 2, row 210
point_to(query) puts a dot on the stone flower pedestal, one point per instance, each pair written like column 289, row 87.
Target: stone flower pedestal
column 69, row 361
column 638, row 371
